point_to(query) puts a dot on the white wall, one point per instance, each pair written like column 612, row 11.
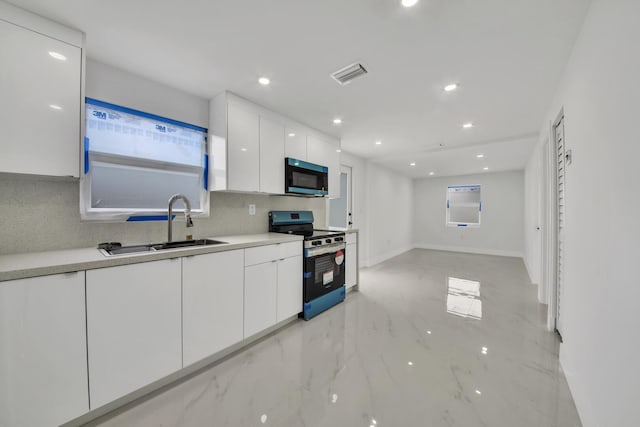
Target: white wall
column 116, row 86
column 532, row 236
column 501, row 229
column 389, row 207
column 600, row 314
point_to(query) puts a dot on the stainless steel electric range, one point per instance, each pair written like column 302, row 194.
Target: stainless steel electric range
column 323, row 281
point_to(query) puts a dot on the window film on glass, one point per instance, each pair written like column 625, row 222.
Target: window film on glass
column 134, row 162
column 464, row 205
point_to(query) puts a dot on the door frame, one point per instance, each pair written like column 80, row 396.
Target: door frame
column 552, row 235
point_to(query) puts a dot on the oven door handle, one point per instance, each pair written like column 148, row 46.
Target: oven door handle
column 312, row 252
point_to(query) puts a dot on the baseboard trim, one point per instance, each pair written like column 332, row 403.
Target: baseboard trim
column 526, row 266
column 387, row 255
column 513, row 254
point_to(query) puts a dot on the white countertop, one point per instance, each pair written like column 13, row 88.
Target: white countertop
column 346, row 230
column 20, row 266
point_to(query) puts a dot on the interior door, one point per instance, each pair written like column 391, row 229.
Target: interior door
column 339, row 211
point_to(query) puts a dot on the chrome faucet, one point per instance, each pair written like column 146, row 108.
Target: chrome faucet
column 187, row 213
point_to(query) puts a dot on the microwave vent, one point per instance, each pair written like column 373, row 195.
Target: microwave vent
column 347, row 74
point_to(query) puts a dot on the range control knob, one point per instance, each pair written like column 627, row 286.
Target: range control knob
column 316, row 242
column 328, row 240
column 338, row 239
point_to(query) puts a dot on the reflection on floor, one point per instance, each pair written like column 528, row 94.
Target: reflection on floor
column 463, row 298
column 392, row 355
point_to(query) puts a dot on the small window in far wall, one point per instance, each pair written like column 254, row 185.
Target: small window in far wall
column 464, row 206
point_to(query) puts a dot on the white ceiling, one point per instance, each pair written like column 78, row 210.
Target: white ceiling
column 507, row 55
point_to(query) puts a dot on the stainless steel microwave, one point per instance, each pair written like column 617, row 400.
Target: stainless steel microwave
column 302, row 177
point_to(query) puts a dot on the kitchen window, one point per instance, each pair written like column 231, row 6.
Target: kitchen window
column 464, row 206
column 134, row 162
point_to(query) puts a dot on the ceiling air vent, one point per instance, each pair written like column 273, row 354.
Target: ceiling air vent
column 348, row 73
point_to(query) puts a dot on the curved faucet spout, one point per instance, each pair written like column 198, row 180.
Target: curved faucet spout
column 187, row 213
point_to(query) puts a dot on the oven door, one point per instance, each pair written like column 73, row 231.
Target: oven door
column 324, row 270
column 305, row 178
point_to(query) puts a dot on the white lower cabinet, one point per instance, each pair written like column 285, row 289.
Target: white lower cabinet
column 260, row 297
column 212, row 303
column 133, row 327
column 43, row 353
column 289, row 287
column 272, row 285
column 351, row 268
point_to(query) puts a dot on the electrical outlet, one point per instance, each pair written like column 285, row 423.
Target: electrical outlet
column 252, row 209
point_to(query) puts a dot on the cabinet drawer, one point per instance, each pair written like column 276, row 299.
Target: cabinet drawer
column 288, row 250
column 351, row 238
column 260, row 254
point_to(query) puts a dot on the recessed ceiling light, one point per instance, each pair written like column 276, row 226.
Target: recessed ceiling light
column 429, row 332
column 292, row 134
column 337, row 121
column 373, row 421
column 478, row 392
column 451, row 87
column 264, row 81
column 467, row 125
column 338, row 151
column 486, row 168
column 479, row 156
column 412, row 164
column 55, row 107
column 243, row 149
column 410, row 363
column 378, row 142
column 409, row 3
column 57, row 56
column 432, row 173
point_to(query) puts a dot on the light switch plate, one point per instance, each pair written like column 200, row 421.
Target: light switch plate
column 252, row 209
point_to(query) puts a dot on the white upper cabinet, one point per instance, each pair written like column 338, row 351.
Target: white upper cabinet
column 41, row 101
column 324, row 153
column 271, row 156
column 243, row 148
column 43, row 350
column 248, row 145
column 295, row 144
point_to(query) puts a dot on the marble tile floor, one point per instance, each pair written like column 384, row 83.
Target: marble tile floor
column 411, row 348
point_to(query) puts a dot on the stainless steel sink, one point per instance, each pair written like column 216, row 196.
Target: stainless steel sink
column 188, row 243
column 116, row 249
column 127, row 249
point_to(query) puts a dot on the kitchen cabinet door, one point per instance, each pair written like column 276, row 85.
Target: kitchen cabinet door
column 260, row 297
column 243, row 148
column 289, row 287
column 43, row 353
column 134, row 327
column 212, row 303
column 271, row 156
column 40, row 106
column 295, row 144
column 351, row 267
column 324, row 153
